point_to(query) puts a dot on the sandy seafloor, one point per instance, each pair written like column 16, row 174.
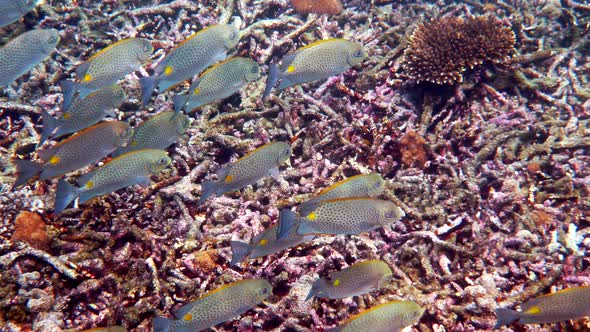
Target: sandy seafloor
column 499, row 212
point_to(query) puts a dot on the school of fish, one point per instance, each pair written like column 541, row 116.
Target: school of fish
column 351, row 206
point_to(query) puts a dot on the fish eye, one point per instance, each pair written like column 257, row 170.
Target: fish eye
column 147, row 47
column 254, row 69
column 390, row 214
column 53, row 38
column 233, row 35
column 264, row 291
column 358, row 54
column 162, row 161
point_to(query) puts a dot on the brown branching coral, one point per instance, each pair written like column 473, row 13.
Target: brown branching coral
column 441, row 50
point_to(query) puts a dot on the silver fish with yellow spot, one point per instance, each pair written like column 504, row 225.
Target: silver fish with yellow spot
column 12, row 10
column 218, row 82
column 216, row 306
column 566, row 304
column 355, row 280
column 107, row 67
column 158, row 132
column 392, row 316
column 127, row 170
column 191, row 57
column 25, row 52
column 82, row 149
column 82, row 113
column 247, row 170
column 265, row 243
column 100, row 329
column 362, row 185
column 313, row 62
column 341, row 216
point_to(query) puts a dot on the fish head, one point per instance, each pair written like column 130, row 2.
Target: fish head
column 376, row 184
column 390, row 212
column 253, row 71
column 231, row 36
column 183, row 122
column 145, row 50
column 124, row 134
column 48, row 39
column 261, row 290
column 159, row 160
column 356, row 54
column 284, row 152
column 411, row 312
column 118, row 96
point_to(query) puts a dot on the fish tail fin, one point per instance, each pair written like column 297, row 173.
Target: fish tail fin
column 287, row 220
column 240, row 249
column 162, row 324
column 49, row 125
column 69, row 89
column 505, row 316
column 315, row 289
column 26, row 169
column 271, row 80
column 179, row 101
column 208, row 188
column 148, row 85
column 64, row 195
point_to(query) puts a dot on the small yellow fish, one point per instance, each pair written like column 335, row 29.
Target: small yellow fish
column 129, row 169
column 566, row 304
column 107, row 67
column 216, row 307
column 341, row 216
column 191, row 57
column 218, row 82
column 25, row 52
column 313, row 62
column 247, row 170
column 388, row 317
column 354, row 280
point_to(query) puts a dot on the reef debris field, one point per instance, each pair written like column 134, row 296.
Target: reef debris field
column 489, row 165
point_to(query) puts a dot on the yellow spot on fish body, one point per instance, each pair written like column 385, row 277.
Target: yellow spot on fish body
column 187, row 317
column 54, row 160
column 263, row 242
column 229, row 179
column 89, row 184
column 67, row 116
column 534, row 310
column 197, row 91
column 312, row 216
column 134, row 143
column 168, row 70
column 87, row 78
column 336, row 282
column 290, row 69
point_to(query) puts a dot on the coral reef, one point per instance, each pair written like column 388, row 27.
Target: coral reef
column 440, row 51
column 331, row 7
column 498, row 214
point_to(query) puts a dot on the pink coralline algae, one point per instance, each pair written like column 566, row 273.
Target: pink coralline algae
column 492, row 173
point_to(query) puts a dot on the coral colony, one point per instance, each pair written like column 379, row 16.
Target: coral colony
column 413, row 165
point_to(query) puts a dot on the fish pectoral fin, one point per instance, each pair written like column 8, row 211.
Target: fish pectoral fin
column 111, row 113
column 274, row 172
column 220, row 56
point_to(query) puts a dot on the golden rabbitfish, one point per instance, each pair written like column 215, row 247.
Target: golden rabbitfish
column 218, row 82
column 158, row 132
column 265, row 243
column 82, row 113
column 566, row 304
column 82, row 149
column 354, row 280
column 341, row 216
column 107, row 67
column 192, row 56
column 12, row 10
column 313, row 62
column 25, row 52
column 388, row 317
column 362, row 185
column 129, row 169
column 216, row 306
column 247, row 170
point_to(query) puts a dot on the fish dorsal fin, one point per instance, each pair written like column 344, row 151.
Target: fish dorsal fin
column 319, row 42
column 338, row 184
column 106, row 49
column 211, row 68
column 194, row 35
column 256, row 150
